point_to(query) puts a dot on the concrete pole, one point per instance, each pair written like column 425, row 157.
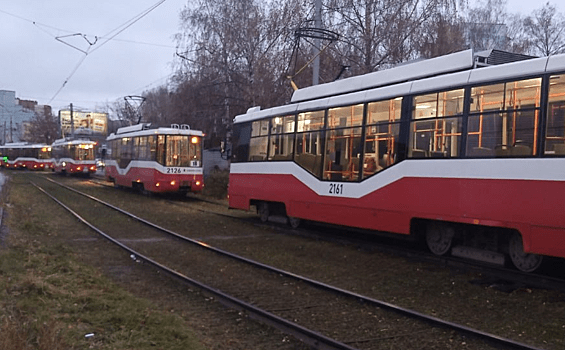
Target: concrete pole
column 317, row 43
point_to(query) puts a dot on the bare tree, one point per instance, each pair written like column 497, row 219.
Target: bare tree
column 43, row 127
column 232, row 57
column 546, row 30
column 376, row 33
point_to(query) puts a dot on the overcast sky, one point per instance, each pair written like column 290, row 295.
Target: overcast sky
column 35, row 65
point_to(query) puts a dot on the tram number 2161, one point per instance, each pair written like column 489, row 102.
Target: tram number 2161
column 336, row 189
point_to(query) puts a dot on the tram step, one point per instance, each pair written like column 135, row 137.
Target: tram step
column 478, row 254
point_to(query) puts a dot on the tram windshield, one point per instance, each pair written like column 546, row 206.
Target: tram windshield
column 82, row 152
column 183, row 151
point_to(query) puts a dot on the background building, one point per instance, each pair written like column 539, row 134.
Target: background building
column 14, row 114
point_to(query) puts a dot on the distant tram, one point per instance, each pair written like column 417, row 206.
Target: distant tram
column 74, row 156
column 470, row 159
column 156, row 160
column 25, row 156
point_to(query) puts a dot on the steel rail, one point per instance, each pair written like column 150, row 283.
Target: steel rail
column 307, row 336
column 489, row 337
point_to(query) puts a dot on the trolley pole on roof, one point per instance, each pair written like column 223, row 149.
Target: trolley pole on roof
column 317, row 25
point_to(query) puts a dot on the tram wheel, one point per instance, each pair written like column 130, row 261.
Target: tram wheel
column 263, row 211
column 439, row 238
column 526, row 262
column 293, row 222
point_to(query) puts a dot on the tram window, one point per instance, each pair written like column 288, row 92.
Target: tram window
column 555, row 124
column 177, row 151
column 161, row 149
column 343, row 154
column 309, row 151
column 259, row 140
column 502, row 134
column 195, row 151
column 435, row 130
column 152, row 147
column 487, row 98
column 345, row 116
column 282, row 138
column 135, row 148
column 343, row 143
column 506, row 125
column 435, row 138
column 240, row 142
column 381, row 135
column 143, row 152
column 523, row 94
column 310, row 121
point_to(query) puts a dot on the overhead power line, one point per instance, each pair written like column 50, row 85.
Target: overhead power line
column 112, row 34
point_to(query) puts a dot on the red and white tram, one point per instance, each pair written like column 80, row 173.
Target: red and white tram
column 473, row 159
column 74, row 156
column 22, row 155
column 156, row 160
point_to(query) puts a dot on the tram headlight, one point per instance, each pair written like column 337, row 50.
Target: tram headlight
column 173, row 183
column 197, row 183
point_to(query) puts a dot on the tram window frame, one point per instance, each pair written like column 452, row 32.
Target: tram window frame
column 383, row 121
column 555, row 117
column 439, row 133
column 514, row 123
column 309, row 142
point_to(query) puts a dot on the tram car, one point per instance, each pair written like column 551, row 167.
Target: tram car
column 466, row 156
column 156, row 160
column 23, row 155
column 74, row 156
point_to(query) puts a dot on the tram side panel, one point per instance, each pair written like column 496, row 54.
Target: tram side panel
column 154, row 177
column 391, row 200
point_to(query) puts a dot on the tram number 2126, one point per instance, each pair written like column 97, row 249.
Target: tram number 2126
column 173, row 170
column 336, row 189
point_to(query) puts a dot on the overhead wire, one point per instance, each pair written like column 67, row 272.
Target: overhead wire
column 118, row 30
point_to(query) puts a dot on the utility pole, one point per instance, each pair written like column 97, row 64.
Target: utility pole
column 317, row 25
column 72, row 124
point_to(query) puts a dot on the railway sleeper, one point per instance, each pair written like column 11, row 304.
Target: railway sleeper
column 493, row 245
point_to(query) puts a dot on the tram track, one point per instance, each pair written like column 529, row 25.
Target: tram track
column 507, row 278
column 298, row 283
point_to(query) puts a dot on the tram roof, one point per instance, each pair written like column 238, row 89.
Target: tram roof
column 61, row 142
column 23, row 145
column 145, row 130
column 418, row 77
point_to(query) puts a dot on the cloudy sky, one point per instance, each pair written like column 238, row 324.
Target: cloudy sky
column 40, row 49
